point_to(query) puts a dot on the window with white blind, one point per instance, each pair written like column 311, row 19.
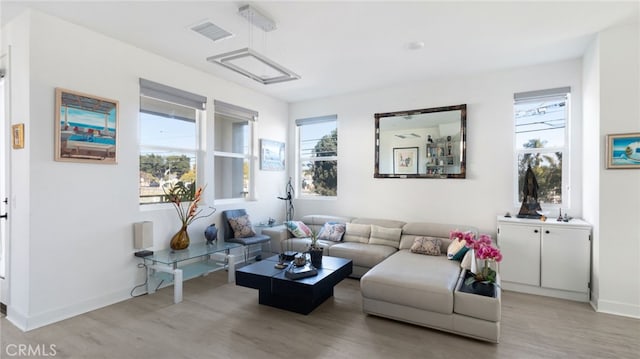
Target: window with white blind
column 541, row 141
column 169, row 144
column 318, row 156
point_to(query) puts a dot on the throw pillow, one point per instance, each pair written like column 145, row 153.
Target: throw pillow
column 386, row 236
column 242, row 227
column 456, row 250
column 426, row 245
column 357, row 233
column 467, row 261
column 332, row 231
column 299, row 229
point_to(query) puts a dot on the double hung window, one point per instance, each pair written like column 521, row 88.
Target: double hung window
column 541, row 142
column 318, row 156
column 233, row 152
column 169, row 121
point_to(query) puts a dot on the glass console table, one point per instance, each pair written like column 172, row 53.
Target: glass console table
column 167, row 266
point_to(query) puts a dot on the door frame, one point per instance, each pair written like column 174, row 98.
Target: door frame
column 5, row 181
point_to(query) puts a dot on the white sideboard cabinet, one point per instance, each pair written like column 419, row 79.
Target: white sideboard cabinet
column 546, row 258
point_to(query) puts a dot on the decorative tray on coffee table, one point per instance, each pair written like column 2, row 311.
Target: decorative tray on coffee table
column 295, row 272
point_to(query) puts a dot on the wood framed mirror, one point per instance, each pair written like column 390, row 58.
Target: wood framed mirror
column 438, row 133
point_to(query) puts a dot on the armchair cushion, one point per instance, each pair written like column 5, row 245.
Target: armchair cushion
column 241, row 226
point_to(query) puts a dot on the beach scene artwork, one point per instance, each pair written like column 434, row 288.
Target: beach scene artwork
column 86, row 128
column 271, row 155
column 623, row 150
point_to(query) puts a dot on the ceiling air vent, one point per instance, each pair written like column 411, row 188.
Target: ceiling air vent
column 211, row 31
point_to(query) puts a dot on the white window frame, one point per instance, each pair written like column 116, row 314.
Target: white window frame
column 160, row 92
column 251, row 116
column 300, row 159
column 565, row 150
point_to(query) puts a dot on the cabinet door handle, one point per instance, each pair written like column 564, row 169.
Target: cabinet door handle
column 547, row 231
column 535, row 231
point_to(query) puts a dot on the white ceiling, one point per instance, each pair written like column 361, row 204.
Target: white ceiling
column 342, row 47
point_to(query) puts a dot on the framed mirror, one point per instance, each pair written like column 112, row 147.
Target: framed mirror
column 425, row 143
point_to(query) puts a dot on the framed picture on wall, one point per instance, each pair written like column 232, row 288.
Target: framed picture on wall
column 17, row 136
column 405, row 160
column 271, row 155
column 86, row 128
column 623, row 150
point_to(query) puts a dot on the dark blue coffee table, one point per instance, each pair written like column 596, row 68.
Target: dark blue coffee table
column 295, row 295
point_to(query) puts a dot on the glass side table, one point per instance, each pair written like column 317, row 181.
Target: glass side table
column 167, row 266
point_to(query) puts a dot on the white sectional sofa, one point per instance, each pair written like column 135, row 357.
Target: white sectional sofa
column 401, row 285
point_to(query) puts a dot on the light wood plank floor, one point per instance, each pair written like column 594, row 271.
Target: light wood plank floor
column 221, row 320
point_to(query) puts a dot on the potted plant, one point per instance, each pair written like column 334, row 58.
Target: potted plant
column 315, row 251
column 484, row 281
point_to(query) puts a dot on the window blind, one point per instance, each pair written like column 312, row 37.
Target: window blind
column 234, row 111
column 172, row 94
column 541, row 94
column 314, row 120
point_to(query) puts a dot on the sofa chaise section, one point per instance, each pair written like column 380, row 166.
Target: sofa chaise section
column 425, row 290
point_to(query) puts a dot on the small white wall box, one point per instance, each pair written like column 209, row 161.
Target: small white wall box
column 142, row 235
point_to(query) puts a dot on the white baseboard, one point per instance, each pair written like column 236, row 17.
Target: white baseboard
column 618, row 308
column 17, row 318
column 547, row 292
column 27, row 323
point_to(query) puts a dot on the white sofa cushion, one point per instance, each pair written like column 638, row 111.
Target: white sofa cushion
column 385, row 236
column 357, row 233
column 414, row 280
column 362, row 254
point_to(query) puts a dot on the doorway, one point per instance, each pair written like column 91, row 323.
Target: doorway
column 4, row 193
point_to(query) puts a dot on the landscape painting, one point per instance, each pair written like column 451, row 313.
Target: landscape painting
column 86, row 128
column 623, row 150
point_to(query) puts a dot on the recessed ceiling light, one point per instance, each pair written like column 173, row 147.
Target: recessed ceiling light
column 415, row 45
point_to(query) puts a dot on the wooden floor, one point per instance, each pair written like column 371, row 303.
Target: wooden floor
column 220, row 320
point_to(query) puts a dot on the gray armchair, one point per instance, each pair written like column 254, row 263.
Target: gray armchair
column 247, row 242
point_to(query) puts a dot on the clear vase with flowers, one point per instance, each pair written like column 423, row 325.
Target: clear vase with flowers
column 185, row 199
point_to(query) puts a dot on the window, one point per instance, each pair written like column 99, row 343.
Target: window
column 168, row 138
column 233, row 152
column 318, row 156
column 541, row 121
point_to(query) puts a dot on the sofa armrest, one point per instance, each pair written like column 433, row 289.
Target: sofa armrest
column 278, row 235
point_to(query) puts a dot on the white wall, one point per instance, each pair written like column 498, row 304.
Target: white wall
column 618, row 237
column 488, row 189
column 73, row 243
column 592, row 167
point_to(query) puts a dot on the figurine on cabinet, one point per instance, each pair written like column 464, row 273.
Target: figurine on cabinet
column 530, row 205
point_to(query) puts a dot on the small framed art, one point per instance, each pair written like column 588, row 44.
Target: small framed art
column 623, row 151
column 405, row 160
column 271, row 155
column 17, row 136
